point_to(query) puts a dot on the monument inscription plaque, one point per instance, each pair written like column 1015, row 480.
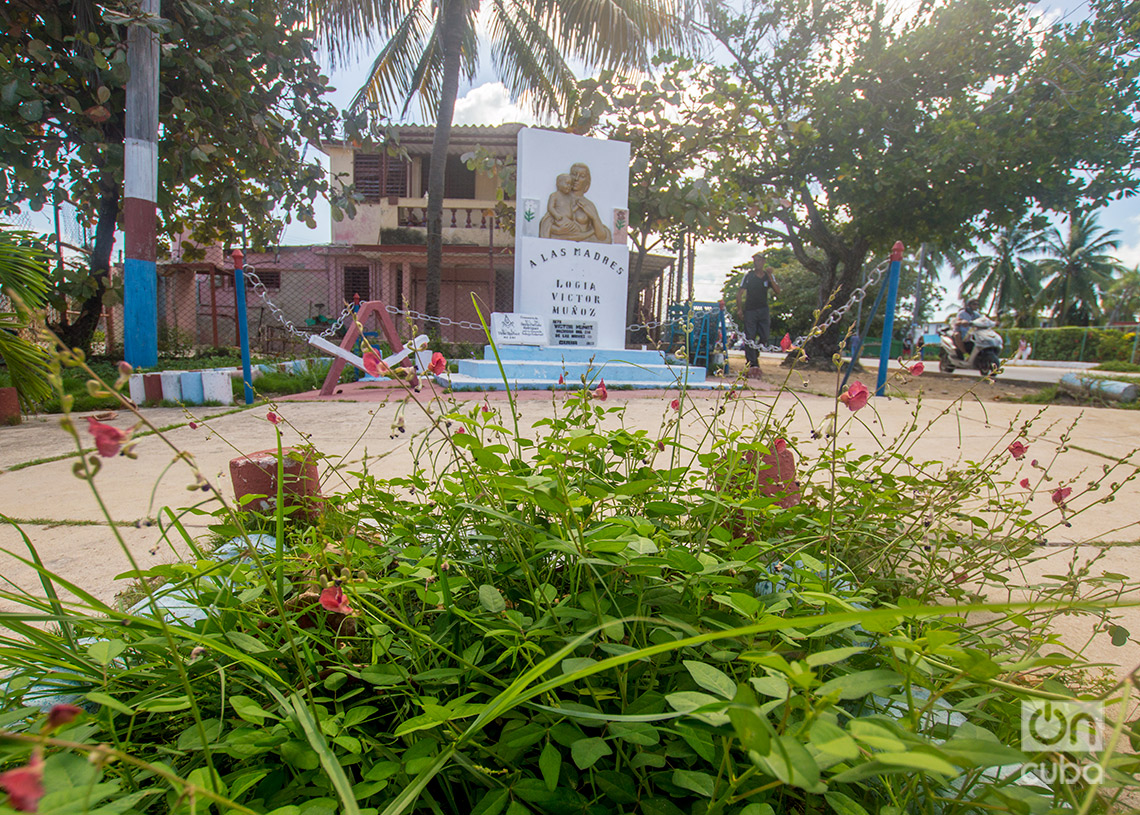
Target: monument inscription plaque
column 518, row 329
column 573, row 332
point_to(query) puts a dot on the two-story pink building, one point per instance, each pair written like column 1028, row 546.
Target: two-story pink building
column 380, row 254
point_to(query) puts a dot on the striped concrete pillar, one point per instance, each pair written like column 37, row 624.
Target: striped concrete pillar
column 140, row 188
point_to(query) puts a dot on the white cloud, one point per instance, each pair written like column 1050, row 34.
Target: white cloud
column 714, row 262
column 490, row 104
column 1129, row 252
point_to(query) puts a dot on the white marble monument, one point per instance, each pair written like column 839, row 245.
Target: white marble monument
column 573, row 202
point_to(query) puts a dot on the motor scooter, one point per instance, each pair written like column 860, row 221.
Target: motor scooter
column 983, row 348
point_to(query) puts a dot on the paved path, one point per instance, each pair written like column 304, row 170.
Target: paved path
column 62, row 517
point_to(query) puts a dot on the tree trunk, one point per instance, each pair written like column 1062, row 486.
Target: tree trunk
column 79, row 334
column 451, row 35
column 838, row 272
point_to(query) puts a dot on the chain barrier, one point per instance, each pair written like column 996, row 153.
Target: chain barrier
column 857, row 297
column 427, row 318
column 263, row 293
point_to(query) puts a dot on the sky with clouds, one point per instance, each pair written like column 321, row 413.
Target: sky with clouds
column 486, row 102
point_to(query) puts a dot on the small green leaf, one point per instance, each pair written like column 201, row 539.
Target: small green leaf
column 32, row 110
column 711, row 679
column 249, row 710
column 491, row 599
column 640, row 733
column 493, row 802
column 843, row 805
column 751, row 728
column 700, row 783
column 919, row 761
column 109, row 701
column 1120, row 635
column 586, row 752
column 833, row 655
column 105, row 651
column 550, row 763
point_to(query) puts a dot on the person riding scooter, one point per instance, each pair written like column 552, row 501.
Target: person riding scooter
column 962, row 324
column 970, row 341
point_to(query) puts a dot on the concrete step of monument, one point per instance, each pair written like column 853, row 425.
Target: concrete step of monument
column 656, row 374
column 462, row 382
column 575, row 353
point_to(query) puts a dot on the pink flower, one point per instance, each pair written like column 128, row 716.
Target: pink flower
column 1060, row 494
column 438, row 364
column 1018, row 450
column 332, row 599
column 916, row 369
column 780, row 445
column 1024, row 483
column 194, row 425
column 561, row 379
column 601, row 393
column 374, row 366
column 61, row 714
column 675, row 404
column 786, row 343
column 486, row 407
column 272, row 418
column 855, row 396
column 660, row 446
column 459, row 430
column 25, row 785
column 108, row 440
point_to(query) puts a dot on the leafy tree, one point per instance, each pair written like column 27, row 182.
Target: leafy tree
column 924, row 129
column 1079, row 268
column 240, row 95
column 429, row 45
column 24, row 286
column 1005, row 280
column 673, row 136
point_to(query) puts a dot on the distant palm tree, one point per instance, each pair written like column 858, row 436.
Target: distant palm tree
column 429, row 44
column 1005, row 281
column 1081, row 269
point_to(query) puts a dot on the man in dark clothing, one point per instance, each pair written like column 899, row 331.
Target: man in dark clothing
column 752, row 302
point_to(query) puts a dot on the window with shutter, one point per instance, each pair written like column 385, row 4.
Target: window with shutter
column 367, row 175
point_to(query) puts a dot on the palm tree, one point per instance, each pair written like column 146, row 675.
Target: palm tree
column 1081, row 268
column 429, row 44
column 24, row 286
column 1004, row 280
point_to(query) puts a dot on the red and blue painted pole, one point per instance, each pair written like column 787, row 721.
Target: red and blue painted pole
column 140, row 188
column 889, row 317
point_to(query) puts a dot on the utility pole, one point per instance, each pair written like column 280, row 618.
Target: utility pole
column 140, row 271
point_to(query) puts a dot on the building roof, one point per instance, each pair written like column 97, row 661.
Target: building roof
column 417, row 139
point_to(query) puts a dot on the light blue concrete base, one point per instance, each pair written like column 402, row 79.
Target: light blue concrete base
column 540, row 367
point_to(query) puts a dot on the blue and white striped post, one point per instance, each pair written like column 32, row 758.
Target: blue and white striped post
column 889, row 317
column 242, row 324
column 140, row 193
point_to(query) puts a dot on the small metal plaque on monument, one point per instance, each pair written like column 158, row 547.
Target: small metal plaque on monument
column 573, row 332
column 517, row 329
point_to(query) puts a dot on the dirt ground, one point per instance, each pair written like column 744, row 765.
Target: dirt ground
column 930, row 383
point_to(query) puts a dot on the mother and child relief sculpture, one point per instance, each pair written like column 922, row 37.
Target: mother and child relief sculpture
column 570, row 215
